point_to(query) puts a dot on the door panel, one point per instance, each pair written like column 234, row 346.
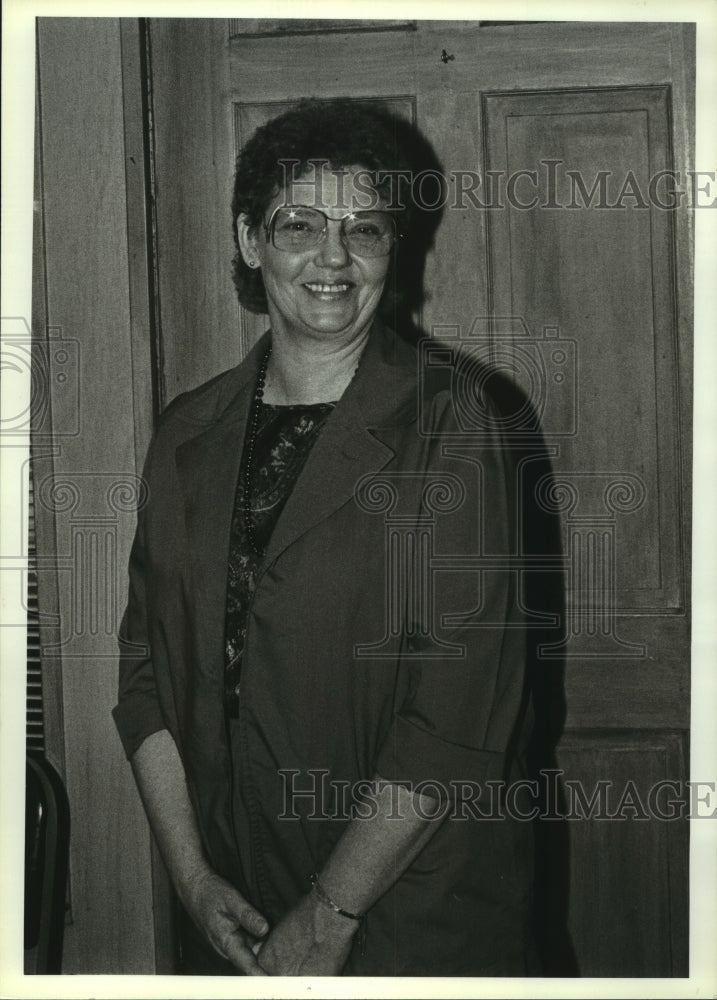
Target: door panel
column 616, row 863
column 601, row 282
column 604, row 279
column 597, row 308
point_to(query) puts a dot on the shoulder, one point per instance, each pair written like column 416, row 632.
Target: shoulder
column 405, row 379
column 453, row 396
column 192, row 413
column 464, row 384
column 198, row 406
column 439, row 389
column 452, row 390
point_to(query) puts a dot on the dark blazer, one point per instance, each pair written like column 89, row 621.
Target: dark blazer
column 372, row 647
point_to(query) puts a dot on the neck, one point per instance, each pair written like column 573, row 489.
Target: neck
column 310, row 372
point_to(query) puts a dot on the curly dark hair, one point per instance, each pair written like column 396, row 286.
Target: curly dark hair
column 342, row 133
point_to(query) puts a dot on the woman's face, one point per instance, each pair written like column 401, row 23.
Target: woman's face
column 325, row 291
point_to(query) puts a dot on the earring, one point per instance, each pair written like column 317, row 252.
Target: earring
column 252, row 263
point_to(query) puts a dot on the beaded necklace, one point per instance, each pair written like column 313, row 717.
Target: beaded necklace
column 251, row 447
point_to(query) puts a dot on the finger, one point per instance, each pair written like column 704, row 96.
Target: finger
column 242, row 957
column 251, row 920
column 242, row 914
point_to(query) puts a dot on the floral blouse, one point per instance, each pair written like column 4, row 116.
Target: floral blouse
column 285, row 436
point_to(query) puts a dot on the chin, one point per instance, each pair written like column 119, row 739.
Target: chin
column 332, row 323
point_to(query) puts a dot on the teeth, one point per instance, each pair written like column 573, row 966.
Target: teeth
column 327, row 288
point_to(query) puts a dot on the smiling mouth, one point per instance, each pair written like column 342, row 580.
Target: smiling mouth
column 338, row 288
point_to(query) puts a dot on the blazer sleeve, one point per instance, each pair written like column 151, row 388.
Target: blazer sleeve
column 137, row 714
column 459, row 714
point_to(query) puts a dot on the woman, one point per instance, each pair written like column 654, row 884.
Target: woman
column 309, row 732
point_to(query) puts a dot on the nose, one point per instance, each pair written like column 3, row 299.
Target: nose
column 332, row 251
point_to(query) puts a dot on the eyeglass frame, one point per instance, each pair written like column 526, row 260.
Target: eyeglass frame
column 270, row 230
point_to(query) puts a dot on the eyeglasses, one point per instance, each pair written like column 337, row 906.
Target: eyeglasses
column 296, row 228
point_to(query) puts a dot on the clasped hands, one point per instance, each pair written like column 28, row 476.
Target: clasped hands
column 310, row 940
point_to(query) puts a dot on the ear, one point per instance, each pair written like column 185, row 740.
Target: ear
column 248, row 242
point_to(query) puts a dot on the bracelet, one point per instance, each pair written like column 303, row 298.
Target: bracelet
column 325, row 898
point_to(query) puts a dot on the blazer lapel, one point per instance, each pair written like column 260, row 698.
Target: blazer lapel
column 344, row 451
column 347, row 447
column 208, row 469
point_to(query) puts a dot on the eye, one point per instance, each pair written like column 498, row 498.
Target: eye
column 366, row 229
column 294, row 226
column 298, row 222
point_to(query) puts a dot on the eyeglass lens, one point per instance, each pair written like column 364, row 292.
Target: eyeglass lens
column 368, row 234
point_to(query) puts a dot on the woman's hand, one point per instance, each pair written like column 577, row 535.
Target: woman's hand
column 229, row 922
column 310, row 940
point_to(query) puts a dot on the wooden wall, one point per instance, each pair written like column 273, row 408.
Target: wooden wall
column 86, row 485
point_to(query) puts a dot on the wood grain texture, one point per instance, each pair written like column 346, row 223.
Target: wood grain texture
column 262, row 27
column 194, row 175
column 88, row 298
column 578, row 53
column 140, row 237
column 605, row 278
column 616, row 919
column 649, row 691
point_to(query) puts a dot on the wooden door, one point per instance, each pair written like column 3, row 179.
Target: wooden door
column 592, row 302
